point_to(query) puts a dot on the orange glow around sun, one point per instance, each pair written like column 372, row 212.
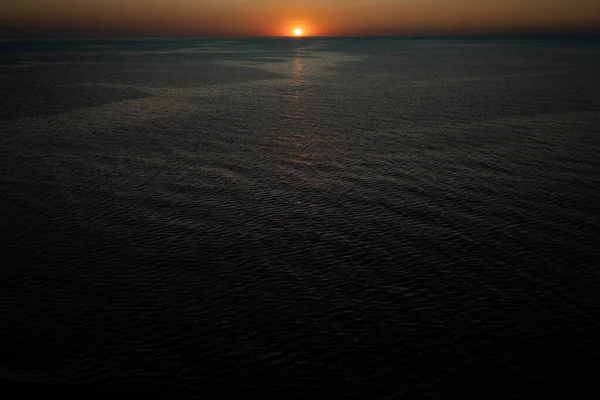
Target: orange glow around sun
column 299, row 28
column 258, row 18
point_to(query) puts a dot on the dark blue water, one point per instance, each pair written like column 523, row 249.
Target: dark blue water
column 276, row 219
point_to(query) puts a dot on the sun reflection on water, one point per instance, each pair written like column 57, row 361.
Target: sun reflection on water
column 299, row 137
column 298, row 75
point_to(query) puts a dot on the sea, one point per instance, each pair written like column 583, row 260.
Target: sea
column 370, row 218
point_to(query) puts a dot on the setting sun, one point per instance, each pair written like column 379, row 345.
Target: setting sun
column 298, row 32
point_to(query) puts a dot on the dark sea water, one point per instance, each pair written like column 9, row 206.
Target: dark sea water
column 278, row 219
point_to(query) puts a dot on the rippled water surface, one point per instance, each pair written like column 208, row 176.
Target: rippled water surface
column 370, row 218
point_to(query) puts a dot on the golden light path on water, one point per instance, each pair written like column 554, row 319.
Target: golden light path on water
column 301, row 138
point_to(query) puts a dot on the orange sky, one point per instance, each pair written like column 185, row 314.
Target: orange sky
column 109, row 18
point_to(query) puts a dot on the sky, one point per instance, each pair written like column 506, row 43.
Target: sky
column 240, row 18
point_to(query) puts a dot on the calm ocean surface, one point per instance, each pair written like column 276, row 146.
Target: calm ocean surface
column 275, row 219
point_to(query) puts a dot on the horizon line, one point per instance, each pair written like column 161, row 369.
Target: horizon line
column 249, row 37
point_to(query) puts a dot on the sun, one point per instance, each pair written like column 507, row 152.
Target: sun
column 298, row 32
